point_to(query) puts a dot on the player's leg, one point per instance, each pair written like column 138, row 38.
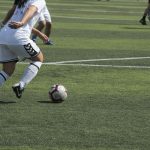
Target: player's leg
column 41, row 25
column 48, row 20
column 148, row 11
column 48, row 26
column 32, row 70
column 28, row 75
column 7, row 71
column 8, row 60
column 31, row 51
column 143, row 19
column 48, row 32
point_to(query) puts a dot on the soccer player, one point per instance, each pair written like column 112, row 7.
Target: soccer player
column 44, row 22
column 146, row 13
column 15, row 43
column 34, row 31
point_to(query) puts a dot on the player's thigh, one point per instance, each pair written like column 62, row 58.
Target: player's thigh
column 48, row 18
column 28, row 50
column 9, row 67
column 6, row 55
column 41, row 18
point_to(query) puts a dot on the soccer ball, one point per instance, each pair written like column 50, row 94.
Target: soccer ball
column 58, row 93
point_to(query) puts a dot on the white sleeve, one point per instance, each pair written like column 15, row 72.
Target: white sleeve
column 39, row 4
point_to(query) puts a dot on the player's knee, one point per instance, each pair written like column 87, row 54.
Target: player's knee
column 48, row 24
column 42, row 24
column 39, row 57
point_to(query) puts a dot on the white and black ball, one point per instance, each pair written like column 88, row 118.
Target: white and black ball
column 57, row 93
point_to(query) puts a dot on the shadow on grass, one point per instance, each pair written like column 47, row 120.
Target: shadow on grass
column 44, row 101
column 136, row 28
column 7, row 102
column 49, row 102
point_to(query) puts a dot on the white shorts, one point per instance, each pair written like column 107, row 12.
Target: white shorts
column 45, row 15
column 10, row 53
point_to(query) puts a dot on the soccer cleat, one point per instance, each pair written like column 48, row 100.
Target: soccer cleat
column 49, row 42
column 17, row 90
column 143, row 21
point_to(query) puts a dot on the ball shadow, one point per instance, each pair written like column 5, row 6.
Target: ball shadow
column 48, row 101
column 44, row 101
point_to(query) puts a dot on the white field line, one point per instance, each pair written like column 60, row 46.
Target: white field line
column 93, row 65
column 66, row 63
column 105, row 59
column 103, row 66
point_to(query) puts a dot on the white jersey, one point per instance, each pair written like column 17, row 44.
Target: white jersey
column 21, row 35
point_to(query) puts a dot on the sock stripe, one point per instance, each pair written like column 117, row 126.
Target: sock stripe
column 3, row 76
column 34, row 65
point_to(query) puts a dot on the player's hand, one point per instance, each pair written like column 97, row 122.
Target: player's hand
column 43, row 37
column 15, row 25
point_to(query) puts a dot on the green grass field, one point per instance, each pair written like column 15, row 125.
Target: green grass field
column 104, row 62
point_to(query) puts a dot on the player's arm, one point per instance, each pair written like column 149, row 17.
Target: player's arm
column 40, row 34
column 8, row 16
column 27, row 16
